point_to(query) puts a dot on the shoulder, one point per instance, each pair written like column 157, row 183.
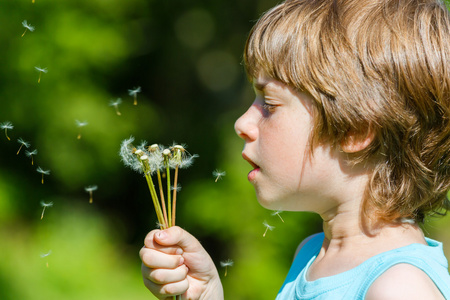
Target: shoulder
column 305, row 241
column 403, row 281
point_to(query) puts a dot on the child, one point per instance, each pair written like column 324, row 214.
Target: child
column 351, row 120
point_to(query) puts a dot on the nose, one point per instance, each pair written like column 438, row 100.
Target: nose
column 245, row 126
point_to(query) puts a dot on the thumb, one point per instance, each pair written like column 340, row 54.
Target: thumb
column 178, row 236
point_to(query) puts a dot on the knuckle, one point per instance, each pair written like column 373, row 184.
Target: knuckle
column 158, row 277
column 176, row 288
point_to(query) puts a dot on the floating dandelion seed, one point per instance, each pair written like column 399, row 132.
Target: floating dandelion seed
column 134, row 93
column 178, row 188
column 6, row 125
column 225, row 264
column 268, row 227
column 115, row 104
column 45, row 205
column 27, row 27
column 218, row 174
column 40, row 70
column 43, row 172
column 31, row 154
column 80, row 124
column 44, row 255
column 277, row 213
column 90, row 189
column 22, row 143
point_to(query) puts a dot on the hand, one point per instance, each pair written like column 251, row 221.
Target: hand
column 175, row 263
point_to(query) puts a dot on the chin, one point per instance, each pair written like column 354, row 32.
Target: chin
column 268, row 203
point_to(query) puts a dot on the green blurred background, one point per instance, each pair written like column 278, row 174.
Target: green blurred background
column 186, row 56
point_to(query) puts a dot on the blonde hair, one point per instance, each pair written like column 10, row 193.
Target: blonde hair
column 370, row 65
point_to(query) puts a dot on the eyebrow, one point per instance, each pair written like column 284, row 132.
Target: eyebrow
column 260, row 85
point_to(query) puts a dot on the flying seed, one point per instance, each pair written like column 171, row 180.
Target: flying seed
column 225, row 264
column 22, row 143
column 6, row 125
column 45, row 205
column 27, row 27
column 218, row 174
column 277, row 213
column 90, row 189
column 134, row 93
column 268, row 227
column 43, row 172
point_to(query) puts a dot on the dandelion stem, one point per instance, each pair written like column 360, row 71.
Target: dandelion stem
column 42, row 214
column 169, row 200
column 151, row 187
column 6, row 134
column 19, row 149
column 175, row 183
column 163, row 201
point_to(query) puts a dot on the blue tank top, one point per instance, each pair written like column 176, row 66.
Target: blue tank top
column 354, row 284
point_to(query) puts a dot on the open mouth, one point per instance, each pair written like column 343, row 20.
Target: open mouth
column 252, row 174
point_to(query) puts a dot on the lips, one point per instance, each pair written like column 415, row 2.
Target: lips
column 252, row 174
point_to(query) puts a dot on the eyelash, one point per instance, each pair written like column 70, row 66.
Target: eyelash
column 269, row 107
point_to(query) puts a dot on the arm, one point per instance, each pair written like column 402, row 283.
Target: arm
column 403, row 281
column 175, row 263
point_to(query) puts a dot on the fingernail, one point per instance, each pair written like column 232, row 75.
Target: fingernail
column 179, row 251
column 181, row 261
column 162, row 235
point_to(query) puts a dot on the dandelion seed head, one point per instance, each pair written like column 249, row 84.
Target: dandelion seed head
column 127, row 154
column 227, row 263
column 21, row 141
column 44, row 172
column 181, row 157
column 43, row 70
column 166, row 152
column 6, row 125
column 27, row 26
column 154, row 147
column 143, row 157
column 134, row 91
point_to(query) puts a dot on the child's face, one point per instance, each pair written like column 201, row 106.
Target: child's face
column 276, row 131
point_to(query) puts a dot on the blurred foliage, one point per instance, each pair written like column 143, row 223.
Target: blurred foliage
column 186, row 56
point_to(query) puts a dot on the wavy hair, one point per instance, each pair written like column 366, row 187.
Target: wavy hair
column 370, row 65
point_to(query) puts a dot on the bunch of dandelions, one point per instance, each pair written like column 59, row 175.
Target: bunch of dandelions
column 154, row 162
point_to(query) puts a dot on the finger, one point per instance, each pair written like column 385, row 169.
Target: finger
column 166, row 290
column 149, row 242
column 177, row 236
column 165, row 276
column 156, row 259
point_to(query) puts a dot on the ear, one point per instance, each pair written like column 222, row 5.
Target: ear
column 355, row 142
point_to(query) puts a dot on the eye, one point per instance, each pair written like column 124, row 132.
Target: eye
column 269, row 107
